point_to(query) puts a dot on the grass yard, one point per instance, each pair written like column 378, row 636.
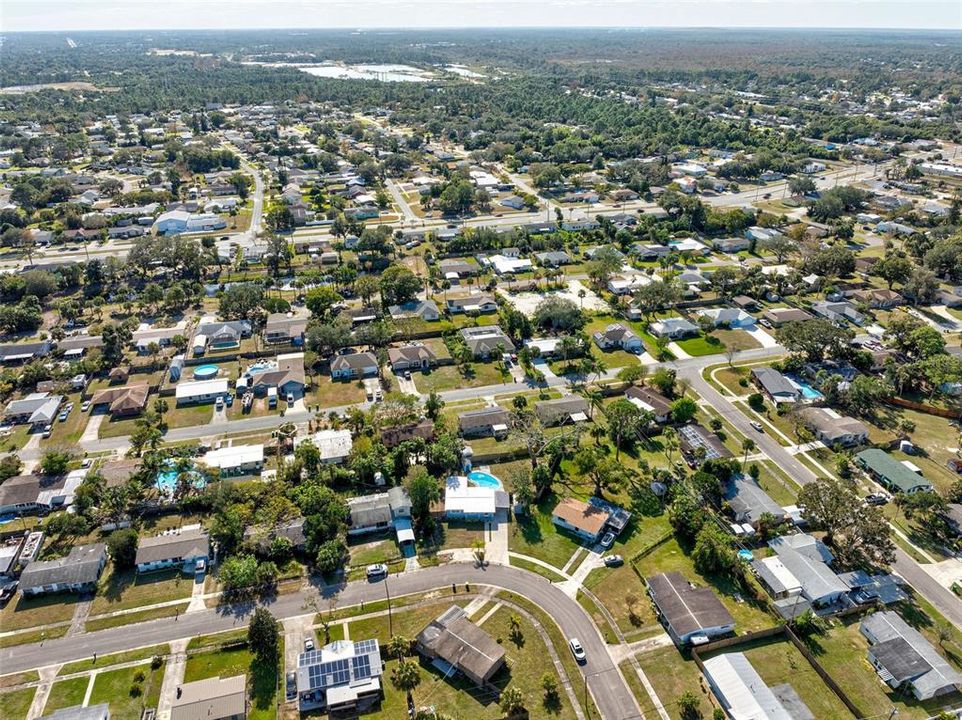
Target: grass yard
column 736, row 339
column 730, row 377
column 135, row 617
column 537, row 569
column 68, row 432
column 122, row 590
column 23, row 612
column 223, row 663
column 19, row 678
column 842, row 652
column 777, row 661
column 16, row 704
column 326, row 393
column 537, row 536
column 452, row 534
column 66, row 693
column 407, row 621
column 117, row 427
column 32, row 636
column 449, row 377
column 700, row 346
column 119, row 688
column 671, row 674
column 114, row 659
column 189, row 415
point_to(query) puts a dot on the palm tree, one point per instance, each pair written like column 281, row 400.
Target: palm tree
column 512, row 703
column 406, row 676
column 398, row 646
column 747, row 445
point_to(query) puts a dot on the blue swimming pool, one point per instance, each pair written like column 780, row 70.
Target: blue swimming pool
column 205, row 372
column 166, row 480
column 484, row 479
column 808, row 392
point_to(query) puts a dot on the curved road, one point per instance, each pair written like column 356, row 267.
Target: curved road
column 612, row 696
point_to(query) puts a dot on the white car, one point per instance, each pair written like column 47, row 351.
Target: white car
column 376, row 571
column 577, row 650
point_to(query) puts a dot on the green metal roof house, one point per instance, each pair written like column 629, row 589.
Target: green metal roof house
column 890, row 472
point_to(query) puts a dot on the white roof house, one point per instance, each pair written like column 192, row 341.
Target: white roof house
column 334, row 445
column 505, row 265
column 187, row 391
column 741, row 690
column 461, row 499
column 235, row 457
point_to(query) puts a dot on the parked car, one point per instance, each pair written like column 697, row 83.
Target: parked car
column 376, row 571
column 607, row 539
column 291, row 685
column 290, row 398
column 62, row 416
column 877, row 498
column 757, row 426
column 577, row 650
column 229, row 399
column 47, row 429
column 614, row 561
column 85, row 406
column 219, row 403
column 200, row 566
column 308, row 644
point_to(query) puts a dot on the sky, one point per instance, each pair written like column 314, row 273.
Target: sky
column 32, row 15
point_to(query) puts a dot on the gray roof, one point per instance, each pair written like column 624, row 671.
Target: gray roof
column 188, row 543
column 210, row 699
column 816, row 579
column 78, row 712
column 81, row 566
column 483, row 418
column 354, row 361
column 554, row 411
column 747, row 498
column 774, row 382
column 661, row 404
column 888, row 625
column 24, row 350
column 832, row 428
column 293, row 530
column 458, row 641
column 808, row 545
column 231, row 327
column 686, row 609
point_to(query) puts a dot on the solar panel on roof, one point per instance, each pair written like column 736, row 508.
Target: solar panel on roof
column 365, row 646
column 362, row 667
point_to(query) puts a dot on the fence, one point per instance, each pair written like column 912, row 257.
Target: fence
column 927, row 409
column 785, row 631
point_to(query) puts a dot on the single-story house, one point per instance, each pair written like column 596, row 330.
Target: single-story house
column 382, row 511
column 460, row 268
column 748, row 501
column 486, row 422
column 334, row 445
column 650, row 252
column 743, row 693
column 23, row 494
column 673, row 328
column 458, row 643
column 215, row 698
column 690, row 614
column 731, row 244
column 180, row 547
column 464, row 500
column 728, row 317
column 77, row 572
column 650, row 401
column 904, row 658
column 76, row 346
column 618, row 336
column 422, row 309
column 693, row 436
column 487, row 341
column 572, row 409
column 800, row 566
column 775, row 385
column 834, row 429
column 236, row 460
column 123, row 401
column 200, row 391
column 283, row 328
column 779, row 316
column 411, row 357
column 224, row 335
column 476, row 304
column 393, row 436
column 583, row 519
column 877, row 298
column 21, row 353
column 891, row 473
column 838, row 312
column 353, row 365
column 342, row 678
column 286, row 373
column 553, row 258
column 261, row 536
column 37, row 409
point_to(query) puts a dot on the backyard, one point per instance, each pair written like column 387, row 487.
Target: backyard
column 449, row 377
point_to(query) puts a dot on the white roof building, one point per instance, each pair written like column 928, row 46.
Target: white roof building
column 741, row 690
column 461, row 499
column 200, row 389
column 235, row 457
column 334, row 445
column 505, row 265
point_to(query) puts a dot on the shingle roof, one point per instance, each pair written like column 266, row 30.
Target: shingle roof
column 187, row 543
column 585, row 517
column 210, row 699
column 686, row 609
column 82, row 565
column 458, row 641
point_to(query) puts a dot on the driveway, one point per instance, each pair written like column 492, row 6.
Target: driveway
column 92, row 430
column 762, row 337
column 612, row 696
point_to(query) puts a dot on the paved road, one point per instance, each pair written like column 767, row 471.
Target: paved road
column 612, row 696
column 399, row 200
column 906, row 566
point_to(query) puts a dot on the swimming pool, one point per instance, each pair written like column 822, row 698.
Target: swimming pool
column 808, row 392
column 205, row 372
column 166, row 480
column 485, row 479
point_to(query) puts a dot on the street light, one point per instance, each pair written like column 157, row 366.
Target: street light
column 390, row 618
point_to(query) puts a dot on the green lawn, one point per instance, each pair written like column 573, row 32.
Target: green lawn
column 113, row 659
column 537, row 536
column 23, row 612
column 33, row 636
column 736, row 339
column 407, row 621
column 699, row 346
column 449, row 377
column 138, row 616
column 227, row 662
column 189, row 415
column 68, row 432
column 17, row 703
column 778, row 661
column 452, row 534
column 326, row 393
column 127, row 589
column 126, row 695
column 671, row 674
column 66, row 693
